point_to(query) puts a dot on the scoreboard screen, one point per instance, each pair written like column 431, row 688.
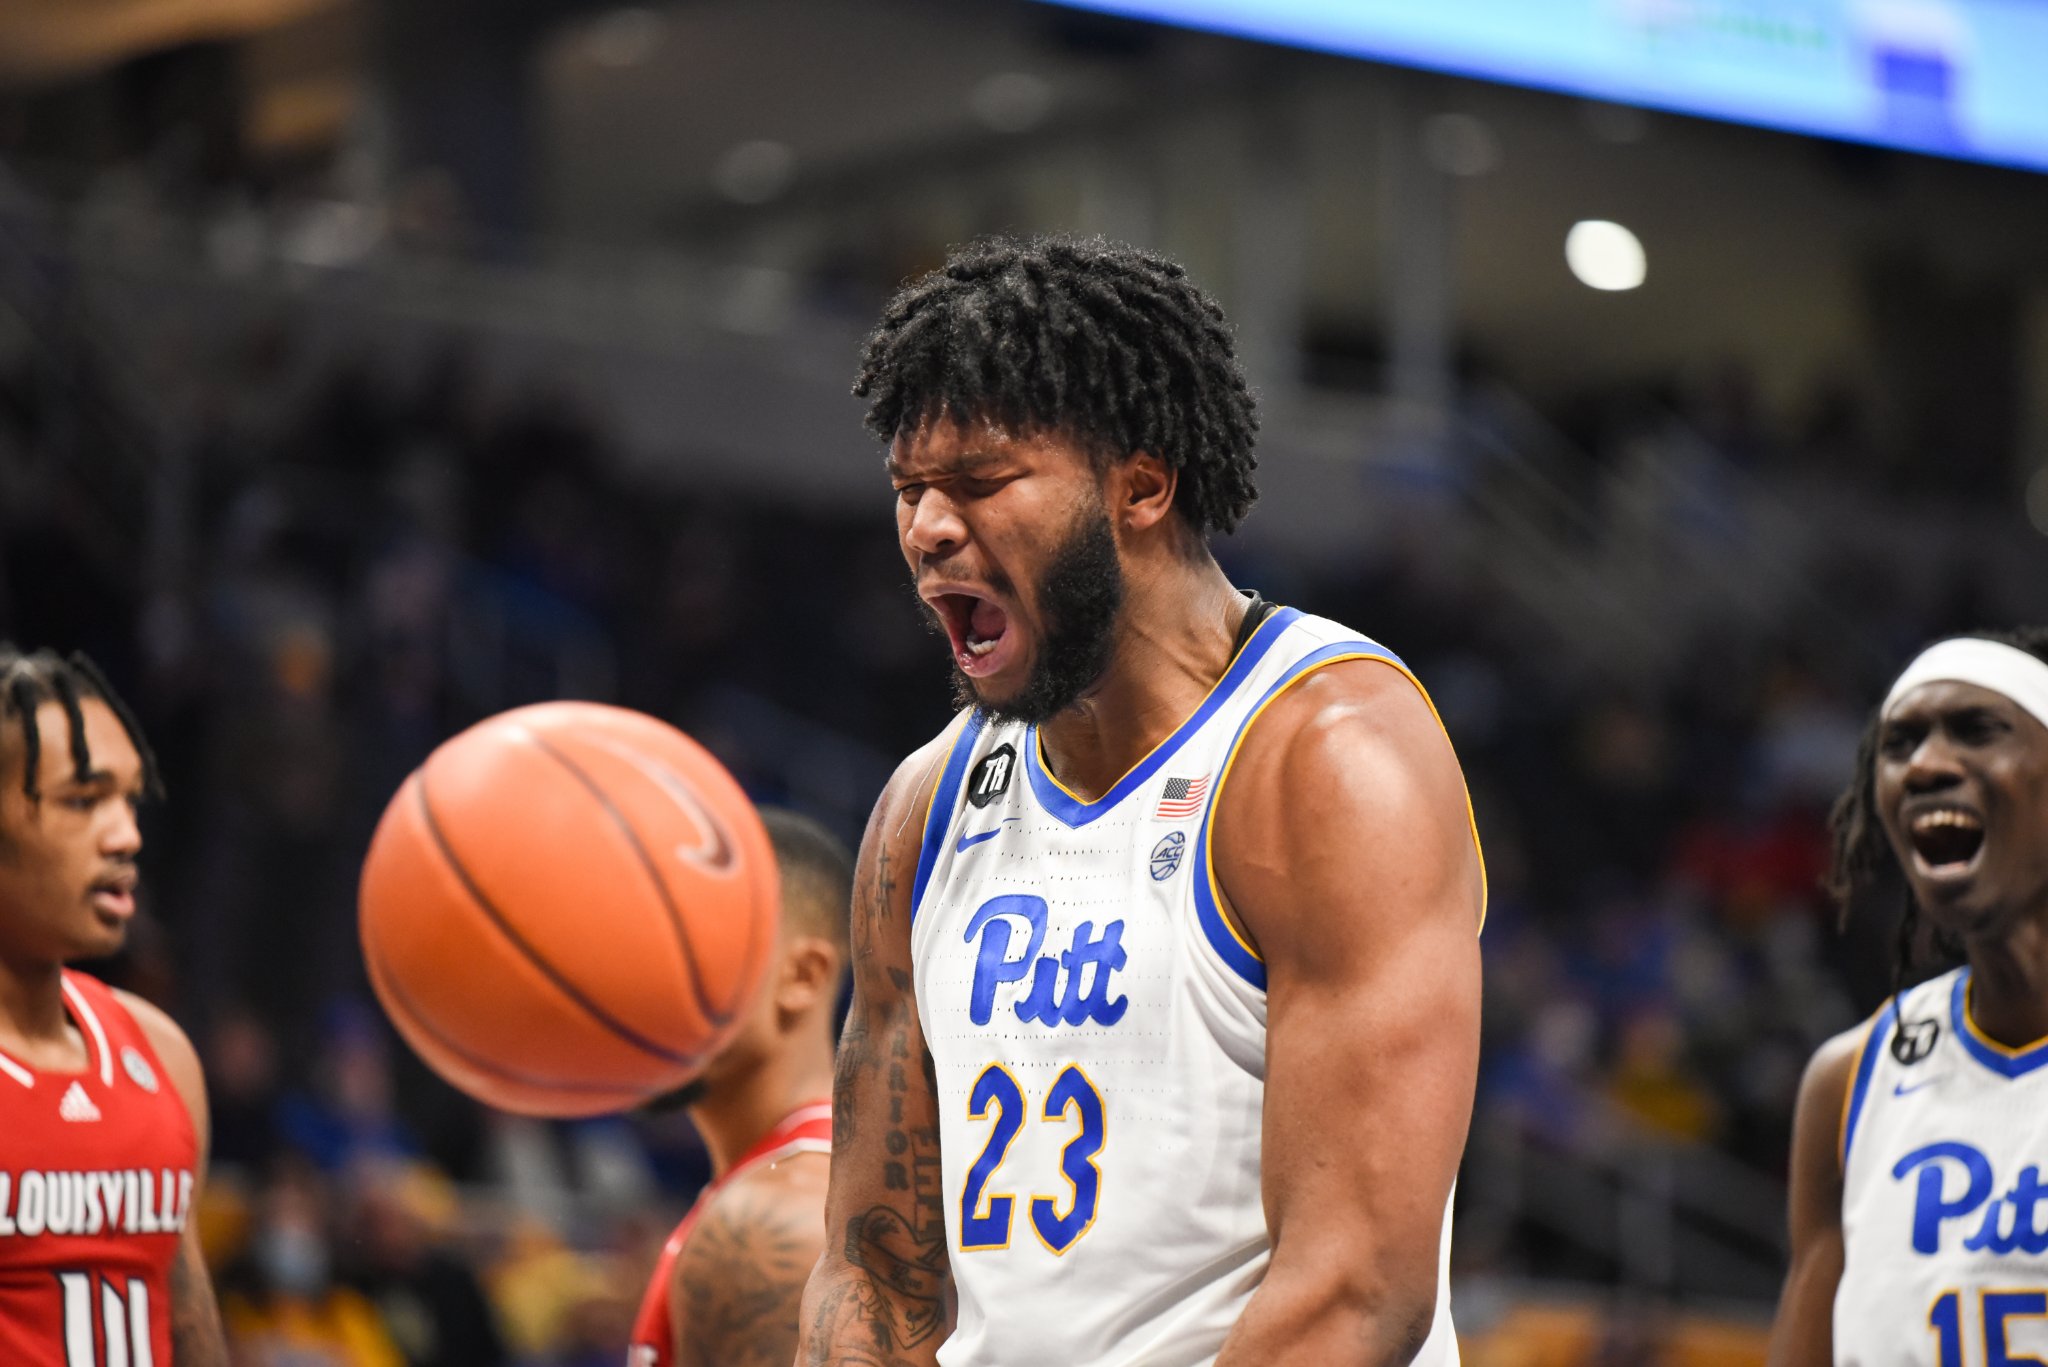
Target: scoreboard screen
column 1956, row 78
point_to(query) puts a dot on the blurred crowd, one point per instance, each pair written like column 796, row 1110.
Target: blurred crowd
column 348, row 578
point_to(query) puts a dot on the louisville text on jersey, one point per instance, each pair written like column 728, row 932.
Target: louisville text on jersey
column 129, row 1201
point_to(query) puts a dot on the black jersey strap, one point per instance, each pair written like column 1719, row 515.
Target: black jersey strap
column 1258, row 612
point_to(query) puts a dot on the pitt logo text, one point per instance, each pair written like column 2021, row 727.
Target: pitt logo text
column 1066, row 988
column 2006, row 1222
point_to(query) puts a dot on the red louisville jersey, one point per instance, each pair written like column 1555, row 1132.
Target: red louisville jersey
column 807, row 1129
column 96, row 1173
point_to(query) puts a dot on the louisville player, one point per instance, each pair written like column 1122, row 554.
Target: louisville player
column 1166, row 963
column 103, row 1121
column 726, row 1289
column 1918, row 1233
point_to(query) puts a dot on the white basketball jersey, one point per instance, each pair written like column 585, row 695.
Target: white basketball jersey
column 1944, row 1221
column 1098, row 1033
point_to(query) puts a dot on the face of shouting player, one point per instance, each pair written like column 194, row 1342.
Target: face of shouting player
column 1962, row 785
column 1011, row 548
column 67, row 859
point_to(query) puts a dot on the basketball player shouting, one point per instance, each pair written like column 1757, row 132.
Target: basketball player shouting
column 1917, row 1236
column 726, row 1289
column 1166, row 1002
column 102, row 1106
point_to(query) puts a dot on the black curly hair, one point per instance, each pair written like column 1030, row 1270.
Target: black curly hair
column 1863, row 858
column 1076, row 335
column 28, row 679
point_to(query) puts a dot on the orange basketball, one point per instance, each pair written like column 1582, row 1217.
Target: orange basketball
column 567, row 909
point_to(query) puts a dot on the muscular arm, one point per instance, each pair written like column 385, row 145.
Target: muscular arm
column 879, row 1293
column 1804, row 1333
column 734, row 1292
column 197, row 1339
column 1343, row 842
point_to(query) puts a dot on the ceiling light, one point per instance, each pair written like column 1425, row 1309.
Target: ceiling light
column 1605, row 256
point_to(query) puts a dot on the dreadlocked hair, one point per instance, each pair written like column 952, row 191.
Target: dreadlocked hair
column 1863, row 857
column 30, row 679
column 1075, row 335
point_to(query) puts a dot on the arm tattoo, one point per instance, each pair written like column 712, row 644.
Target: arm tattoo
column 741, row 1284
column 896, row 1300
column 197, row 1339
column 888, row 1306
column 855, row 1060
column 875, row 909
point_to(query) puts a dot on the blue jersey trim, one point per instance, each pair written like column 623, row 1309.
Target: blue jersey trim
column 1074, row 812
column 1989, row 1052
column 1866, row 1068
column 1216, row 927
column 944, row 795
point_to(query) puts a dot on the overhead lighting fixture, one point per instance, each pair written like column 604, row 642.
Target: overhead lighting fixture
column 1604, row 255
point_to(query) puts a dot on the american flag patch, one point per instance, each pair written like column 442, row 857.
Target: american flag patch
column 1182, row 798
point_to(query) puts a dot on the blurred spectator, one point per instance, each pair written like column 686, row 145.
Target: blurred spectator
column 241, row 1085
column 400, row 1258
column 349, row 1115
column 281, row 1302
column 556, row 1302
column 1652, row 1082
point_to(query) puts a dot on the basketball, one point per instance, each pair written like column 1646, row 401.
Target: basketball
column 567, row 909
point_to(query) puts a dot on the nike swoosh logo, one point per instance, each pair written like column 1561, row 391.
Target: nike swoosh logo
column 713, row 850
column 969, row 841
column 1902, row 1089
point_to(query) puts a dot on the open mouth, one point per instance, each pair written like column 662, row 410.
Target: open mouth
column 979, row 630
column 1946, row 840
column 114, row 896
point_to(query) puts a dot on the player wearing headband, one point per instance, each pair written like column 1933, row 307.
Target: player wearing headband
column 1918, row 1229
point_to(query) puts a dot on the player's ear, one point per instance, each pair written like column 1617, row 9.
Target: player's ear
column 810, row 971
column 1144, row 487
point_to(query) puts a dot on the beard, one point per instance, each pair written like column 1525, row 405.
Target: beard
column 681, row 1099
column 1080, row 595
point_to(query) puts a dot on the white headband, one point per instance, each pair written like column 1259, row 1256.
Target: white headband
column 2003, row 669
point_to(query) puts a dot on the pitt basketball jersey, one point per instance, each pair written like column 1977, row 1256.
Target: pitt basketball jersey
column 1944, row 1222
column 1098, row 1035
column 95, row 1189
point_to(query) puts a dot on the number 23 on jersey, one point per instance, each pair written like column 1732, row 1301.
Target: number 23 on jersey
column 1059, row 1221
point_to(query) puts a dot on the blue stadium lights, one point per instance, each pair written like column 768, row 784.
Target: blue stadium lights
column 1955, row 78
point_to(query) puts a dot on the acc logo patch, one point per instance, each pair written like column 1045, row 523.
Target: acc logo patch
column 1166, row 855
column 138, row 1068
column 991, row 778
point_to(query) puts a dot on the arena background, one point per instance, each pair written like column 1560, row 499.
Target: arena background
column 369, row 366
